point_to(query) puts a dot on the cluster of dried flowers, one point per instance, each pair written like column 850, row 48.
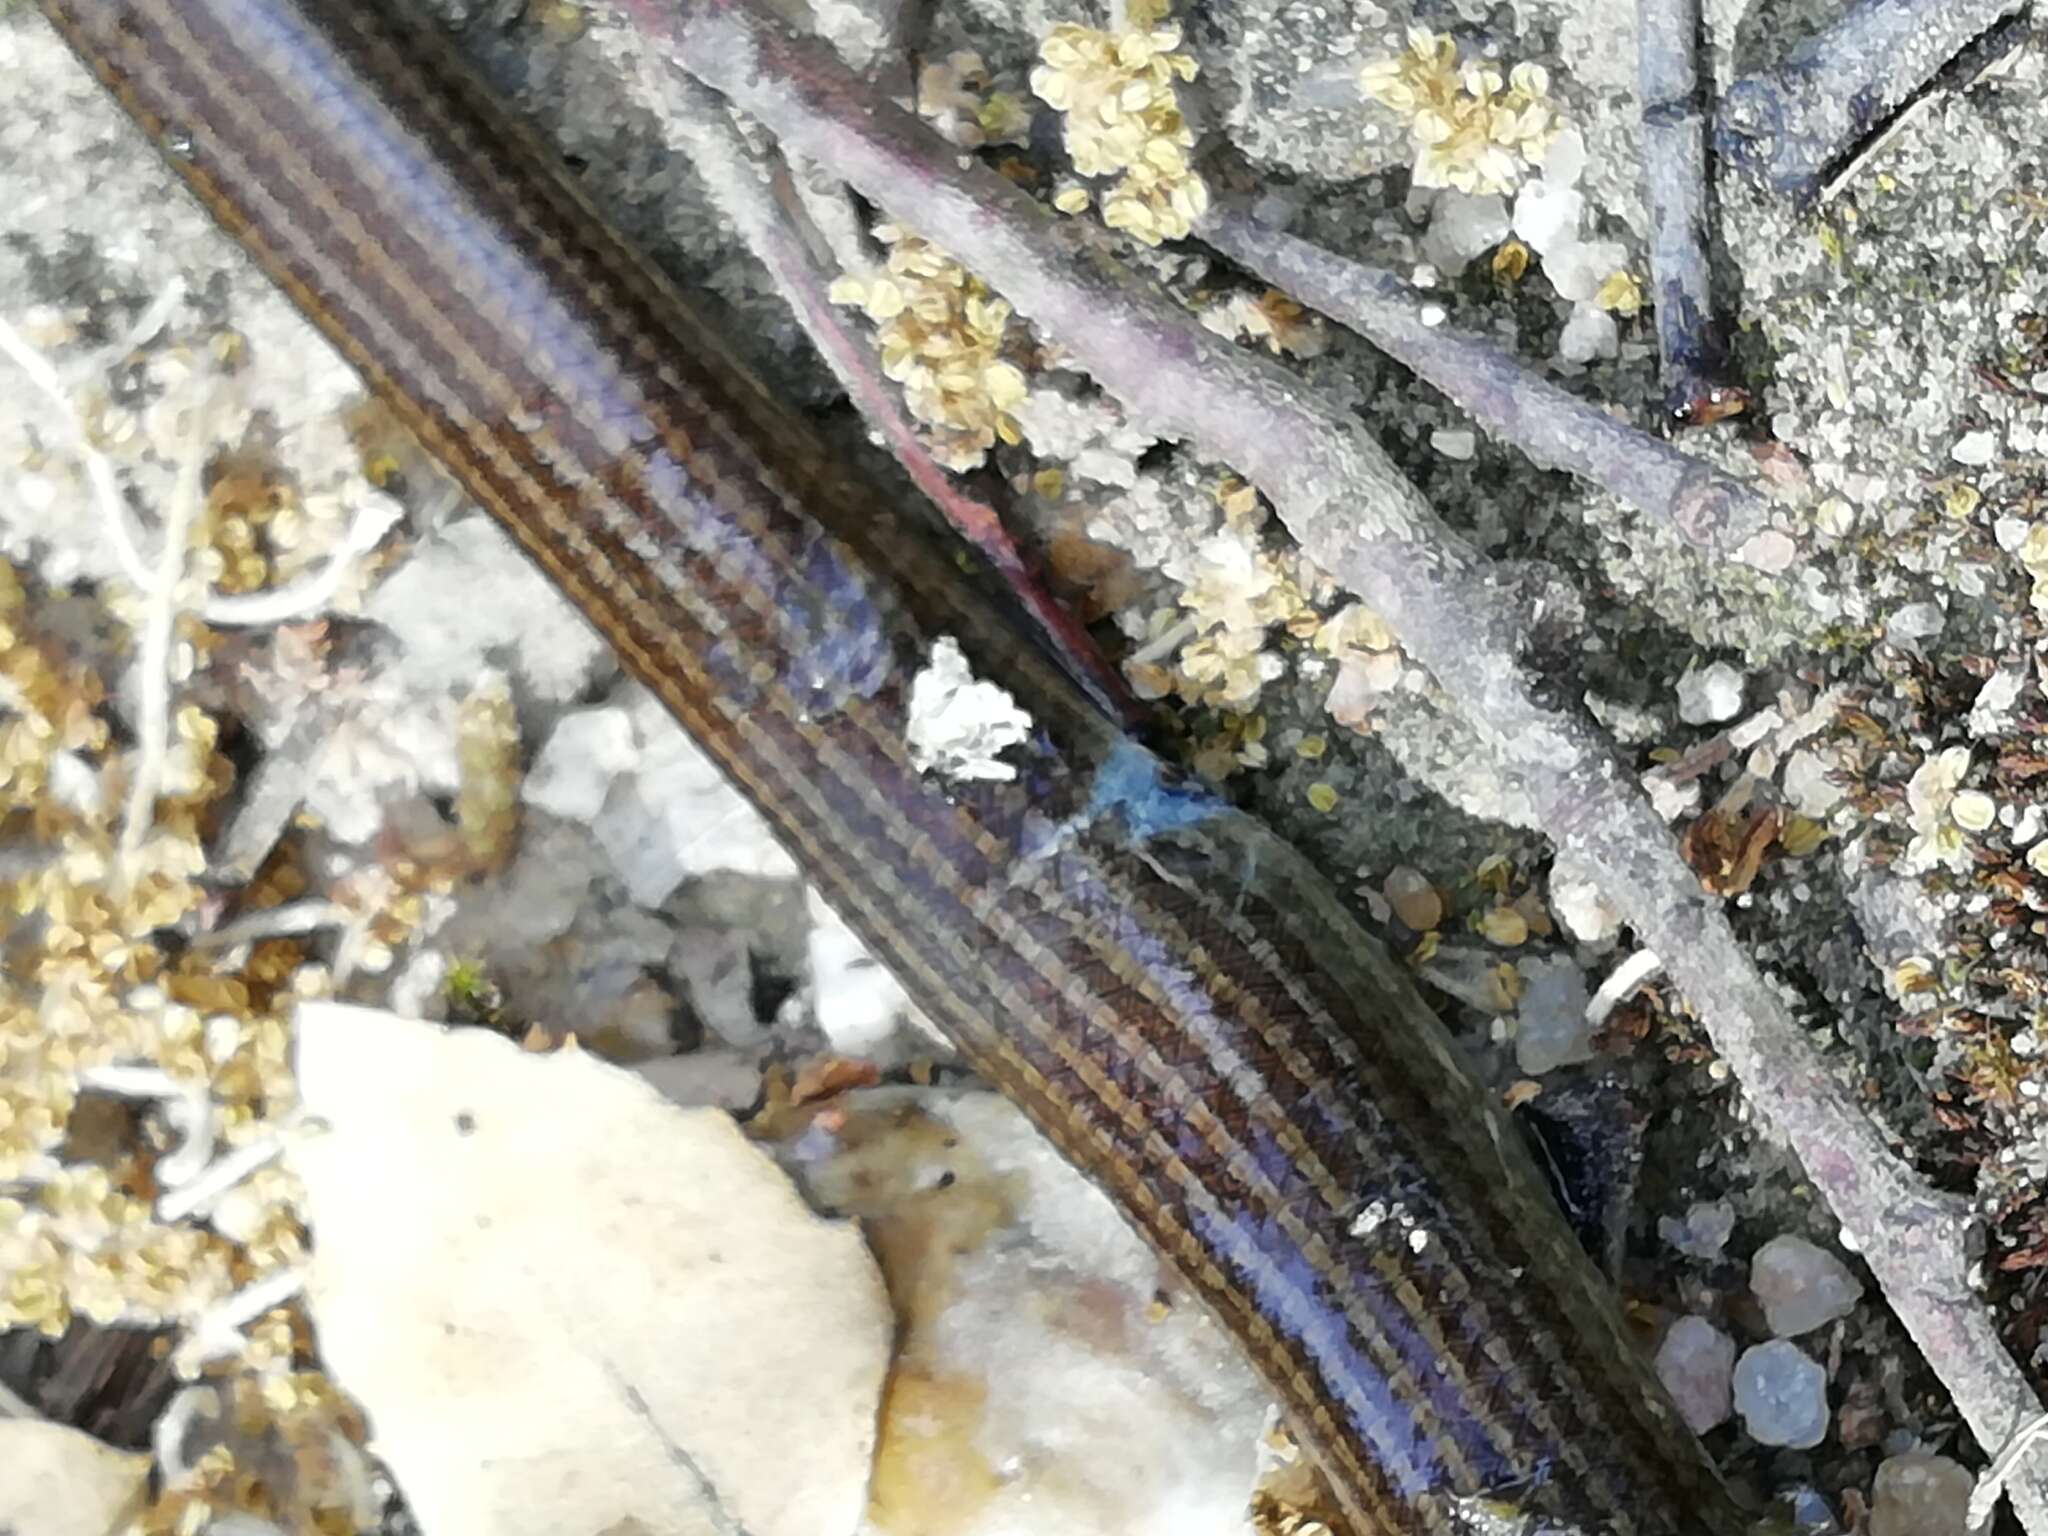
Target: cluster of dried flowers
column 1122, row 118
column 941, row 334
column 1473, row 129
column 96, row 1010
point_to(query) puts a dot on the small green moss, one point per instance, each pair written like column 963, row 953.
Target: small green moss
column 471, row 995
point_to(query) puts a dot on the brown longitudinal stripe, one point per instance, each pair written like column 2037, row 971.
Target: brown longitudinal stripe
column 1335, row 1057
column 1113, row 953
column 370, row 260
column 326, row 168
column 1232, row 992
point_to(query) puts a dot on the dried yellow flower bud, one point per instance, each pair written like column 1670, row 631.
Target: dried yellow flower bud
column 1472, row 130
column 1122, row 118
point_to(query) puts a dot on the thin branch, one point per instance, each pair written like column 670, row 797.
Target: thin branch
column 312, row 592
column 1984, row 1497
column 173, row 1426
column 1550, row 424
column 1353, row 513
column 1690, row 345
column 245, row 609
column 159, row 627
column 196, row 1195
column 216, row 1334
column 288, row 919
column 99, row 470
column 1620, row 984
column 1788, row 124
column 767, row 225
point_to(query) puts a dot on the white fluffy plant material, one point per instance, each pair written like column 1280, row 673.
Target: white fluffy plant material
column 568, row 1305
column 959, row 727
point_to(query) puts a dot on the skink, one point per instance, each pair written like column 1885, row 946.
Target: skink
column 1170, row 993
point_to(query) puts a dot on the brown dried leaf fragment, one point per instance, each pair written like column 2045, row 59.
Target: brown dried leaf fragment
column 1726, row 849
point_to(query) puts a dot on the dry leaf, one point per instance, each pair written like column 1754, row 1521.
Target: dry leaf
column 1726, row 848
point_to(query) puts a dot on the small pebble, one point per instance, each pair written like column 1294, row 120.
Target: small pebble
column 1704, row 1232
column 1801, row 1285
column 1461, row 226
column 1587, row 915
column 1920, row 1495
column 1551, row 1029
column 1547, row 217
column 1414, row 900
column 1834, row 517
column 1671, row 800
column 1564, row 158
column 1459, row 445
column 1768, row 550
column 1696, row 1363
column 1992, row 713
column 1710, row 694
column 1781, row 1394
column 1808, row 784
column 1590, row 333
column 1578, row 272
column 1915, row 622
column 1975, row 448
column 1810, row 1512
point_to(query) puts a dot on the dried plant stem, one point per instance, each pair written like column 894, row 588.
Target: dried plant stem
column 159, row 627
column 1354, row 514
column 768, row 225
column 1554, row 427
column 99, row 470
column 1689, row 341
column 244, row 609
column 1787, row 124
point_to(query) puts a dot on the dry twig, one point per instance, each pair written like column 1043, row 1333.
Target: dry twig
column 1788, row 124
column 769, row 227
column 1689, row 341
column 1554, row 427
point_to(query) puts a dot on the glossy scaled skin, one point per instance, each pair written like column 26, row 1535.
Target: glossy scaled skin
column 1169, row 992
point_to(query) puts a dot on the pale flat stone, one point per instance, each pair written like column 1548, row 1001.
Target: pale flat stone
column 570, row 1306
column 59, row 1481
column 553, row 649
column 855, row 1000
column 587, row 749
column 1041, row 1387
